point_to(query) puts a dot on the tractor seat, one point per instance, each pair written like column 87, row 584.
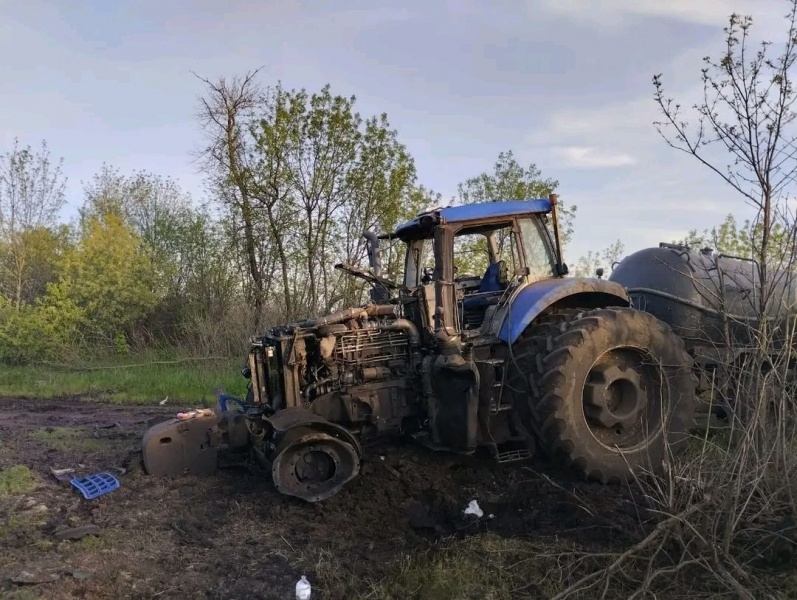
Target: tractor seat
column 494, row 280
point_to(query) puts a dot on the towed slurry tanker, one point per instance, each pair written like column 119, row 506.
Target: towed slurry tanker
column 712, row 302
column 499, row 350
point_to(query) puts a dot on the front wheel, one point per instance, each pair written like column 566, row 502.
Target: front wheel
column 610, row 391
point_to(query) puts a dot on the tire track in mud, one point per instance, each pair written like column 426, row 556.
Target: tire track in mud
column 75, row 412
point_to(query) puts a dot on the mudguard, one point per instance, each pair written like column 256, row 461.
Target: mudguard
column 534, row 298
column 287, row 419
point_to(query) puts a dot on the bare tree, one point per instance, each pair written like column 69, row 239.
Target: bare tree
column 226, row 113
column 747, row 113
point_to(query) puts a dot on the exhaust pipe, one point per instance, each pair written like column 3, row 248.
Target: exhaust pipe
column 374, row 253
column 379, row 293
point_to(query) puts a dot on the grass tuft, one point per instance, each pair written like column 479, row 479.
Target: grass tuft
column 16, row 480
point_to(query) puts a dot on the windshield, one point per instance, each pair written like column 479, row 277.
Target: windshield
column 538, row 249
column 476, row 248
column 420, row 259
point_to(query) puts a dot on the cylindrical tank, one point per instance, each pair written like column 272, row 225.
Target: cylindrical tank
column 708, row 299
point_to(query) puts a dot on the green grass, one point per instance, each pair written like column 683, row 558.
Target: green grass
column 478, row 567
column 16, row 480
column 136, row 380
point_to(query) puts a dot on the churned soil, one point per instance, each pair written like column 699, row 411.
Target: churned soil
column 231, row 535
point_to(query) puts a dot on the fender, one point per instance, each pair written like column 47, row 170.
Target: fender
column 532, row 299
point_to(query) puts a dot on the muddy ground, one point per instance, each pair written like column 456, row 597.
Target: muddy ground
column 231, row 535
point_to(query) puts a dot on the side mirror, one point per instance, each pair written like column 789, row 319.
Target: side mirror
column 599, row 272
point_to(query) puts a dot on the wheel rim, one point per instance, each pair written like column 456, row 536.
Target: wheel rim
column 622, row 398
column 313, row 465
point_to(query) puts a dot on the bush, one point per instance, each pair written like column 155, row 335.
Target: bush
column 36, row 332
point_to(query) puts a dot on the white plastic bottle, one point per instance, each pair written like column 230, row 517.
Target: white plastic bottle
column 303, row 589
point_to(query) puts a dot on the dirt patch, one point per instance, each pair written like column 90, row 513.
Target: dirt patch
column 231, row 535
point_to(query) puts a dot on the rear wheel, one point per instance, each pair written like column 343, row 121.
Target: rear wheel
column 608, row 391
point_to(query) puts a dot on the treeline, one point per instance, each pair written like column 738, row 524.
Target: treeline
column 293, row 180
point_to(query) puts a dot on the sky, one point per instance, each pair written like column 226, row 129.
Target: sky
column 564, row 84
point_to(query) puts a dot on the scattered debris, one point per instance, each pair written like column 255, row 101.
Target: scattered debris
column 62, row 475
column 93, row 486
column 473, row 509
column 303, row 589
column 197, row 412
column 76, row 533
column 80, row 575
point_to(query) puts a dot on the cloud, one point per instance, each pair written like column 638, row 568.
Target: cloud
column 591, row 157
column 585, row 125
column 703, row 12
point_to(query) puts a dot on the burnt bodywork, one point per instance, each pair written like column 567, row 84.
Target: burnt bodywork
column 425, row 358
column 427, row 362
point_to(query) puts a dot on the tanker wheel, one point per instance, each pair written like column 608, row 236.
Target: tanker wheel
column 610, row 392
column 313, row 465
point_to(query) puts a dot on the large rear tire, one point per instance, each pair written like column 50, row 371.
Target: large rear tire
column 610, row 392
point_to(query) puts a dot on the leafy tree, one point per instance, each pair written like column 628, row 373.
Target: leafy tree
column 730, row 238
column 300, row 176
column 37, row 331
column 510, row 180
column 589, row 264
column 108, row 277
column 31, row 194
column 42, row 249
column 154, row 207
column 341, row 175
column 192, row 275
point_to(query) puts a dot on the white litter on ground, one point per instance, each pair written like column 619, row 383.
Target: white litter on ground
column 473, row 509
column 303, row 589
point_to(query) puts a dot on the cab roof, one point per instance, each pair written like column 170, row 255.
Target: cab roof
column 472, row 212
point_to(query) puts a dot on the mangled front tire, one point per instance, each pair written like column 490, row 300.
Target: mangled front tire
column 313, row 465
column 611, row 392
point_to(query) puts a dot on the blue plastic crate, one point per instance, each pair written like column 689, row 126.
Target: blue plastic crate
column 93, row 486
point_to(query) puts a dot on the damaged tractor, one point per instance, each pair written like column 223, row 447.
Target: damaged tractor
column 483, row 343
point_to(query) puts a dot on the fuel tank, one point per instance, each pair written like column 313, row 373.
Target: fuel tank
column 708, row 299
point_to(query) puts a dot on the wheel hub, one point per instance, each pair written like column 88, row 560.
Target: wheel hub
column 614, row 396
column 314, row 465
